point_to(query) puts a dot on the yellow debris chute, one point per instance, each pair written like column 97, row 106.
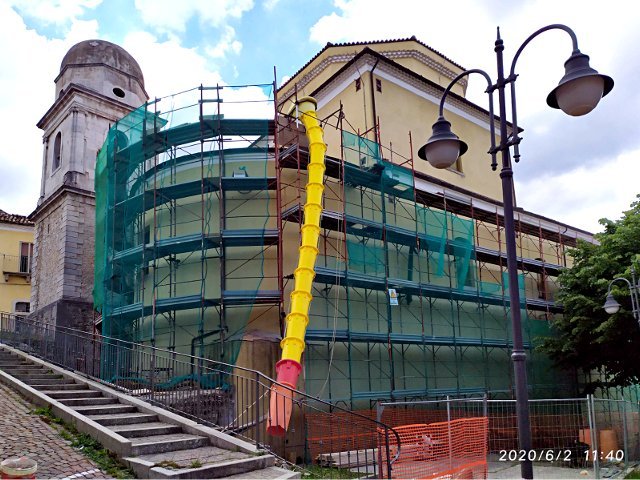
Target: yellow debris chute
column 288, row 368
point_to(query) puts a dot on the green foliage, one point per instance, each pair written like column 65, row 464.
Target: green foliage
column 587, row 338
column 633, row 474
column 92, row 449
column 316, row 471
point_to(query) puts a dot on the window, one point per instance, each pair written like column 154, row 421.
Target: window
column 26, row 254
column 378, row 85
column 22, row 307
column 358, row 84
column 57, row 152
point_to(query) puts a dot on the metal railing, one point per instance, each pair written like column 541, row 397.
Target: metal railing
column 227, row 397
column 571, row 432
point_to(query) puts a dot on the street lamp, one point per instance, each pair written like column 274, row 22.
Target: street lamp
column 611, row 306
column 577, row 93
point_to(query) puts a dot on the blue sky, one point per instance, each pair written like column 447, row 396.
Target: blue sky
column 574, row 170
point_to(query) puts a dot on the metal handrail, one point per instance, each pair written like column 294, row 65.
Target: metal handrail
column 229, row 397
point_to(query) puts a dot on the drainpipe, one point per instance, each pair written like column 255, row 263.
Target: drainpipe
column 373, row 101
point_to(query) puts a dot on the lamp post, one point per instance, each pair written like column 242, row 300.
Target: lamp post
column 611, row 306
column 577, row 93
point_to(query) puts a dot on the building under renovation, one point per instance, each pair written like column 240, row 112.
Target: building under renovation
column 198, row 221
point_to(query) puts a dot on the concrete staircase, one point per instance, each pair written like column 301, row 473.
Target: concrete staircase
column 153, row 442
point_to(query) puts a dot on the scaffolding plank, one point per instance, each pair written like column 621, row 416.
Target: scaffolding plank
column 250, row 297
column 167, row 246
column 247, row 184
column 172, row 192
column 342, row 335
column 331, row 276
column 163, row 305
column 249, row 237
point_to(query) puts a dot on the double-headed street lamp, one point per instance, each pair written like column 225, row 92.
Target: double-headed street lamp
column 611, row 306
column 577, row 93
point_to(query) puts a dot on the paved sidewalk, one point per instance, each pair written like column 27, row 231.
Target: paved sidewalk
column 24, row 434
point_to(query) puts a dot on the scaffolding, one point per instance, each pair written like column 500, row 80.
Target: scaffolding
column 190, row 243
column 411, row 297
column 199, row 209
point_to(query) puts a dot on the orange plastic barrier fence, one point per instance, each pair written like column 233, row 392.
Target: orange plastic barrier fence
column 341, row 433
column 456, row 449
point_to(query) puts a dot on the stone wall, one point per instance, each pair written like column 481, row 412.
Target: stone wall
column 63, row 260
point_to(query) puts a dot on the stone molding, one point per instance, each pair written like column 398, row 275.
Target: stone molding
column 391, row 54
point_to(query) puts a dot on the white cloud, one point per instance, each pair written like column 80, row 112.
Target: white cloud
column 168, row 67
column 465, row 31
column 227, row 43
column 270, row 4
column 54, row 11
column 583, row 196
column 29, row 62
column 169, row 15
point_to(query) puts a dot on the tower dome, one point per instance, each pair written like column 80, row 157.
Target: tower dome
column 101, row 52
column 103, row 67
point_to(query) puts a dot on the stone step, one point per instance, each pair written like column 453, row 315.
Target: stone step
column 37, row 376
column 13, row 363
column 250, row 465
column 123, row 418
column 60, row 394
column 182, row 459
column 105, row 409
column 270, row 473
column 167, row 443
column 44, row 381
column 146, row 429
column 59, row 386
column 81, row 402
column 28, row 370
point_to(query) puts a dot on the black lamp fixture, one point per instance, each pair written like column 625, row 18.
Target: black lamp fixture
column 443, row 147
column 577, row 93
column 581, row 88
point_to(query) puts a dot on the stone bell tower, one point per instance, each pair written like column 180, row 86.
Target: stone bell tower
column 98, row 83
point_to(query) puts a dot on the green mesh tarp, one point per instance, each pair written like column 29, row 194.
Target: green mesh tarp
column 447, row 328
column 184, row 222
column 360, row 150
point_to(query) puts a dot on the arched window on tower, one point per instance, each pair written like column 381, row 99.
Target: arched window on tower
column 57, row 150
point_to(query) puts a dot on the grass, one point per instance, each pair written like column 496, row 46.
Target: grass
column 316, row 471
column 90, row 448
column 167, row 464
column 633, row 474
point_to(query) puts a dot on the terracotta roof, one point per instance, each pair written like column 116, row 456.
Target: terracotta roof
column 15, row 219
column 374, row 42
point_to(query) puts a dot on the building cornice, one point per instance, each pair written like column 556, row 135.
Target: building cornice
column 390, row 54
column 67, row 99
column 51, row 200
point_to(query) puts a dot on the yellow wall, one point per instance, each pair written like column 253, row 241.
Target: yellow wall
column 402, row 112
column 13, row 287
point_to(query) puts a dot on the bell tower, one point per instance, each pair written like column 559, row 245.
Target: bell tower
column 99, row 82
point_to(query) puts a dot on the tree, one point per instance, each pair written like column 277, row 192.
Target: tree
column 587, row 338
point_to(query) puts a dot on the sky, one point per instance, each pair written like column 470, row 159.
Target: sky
column 575, row 170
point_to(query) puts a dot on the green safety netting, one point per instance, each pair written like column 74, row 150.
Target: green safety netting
column 184, row 219
column 447, row 330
